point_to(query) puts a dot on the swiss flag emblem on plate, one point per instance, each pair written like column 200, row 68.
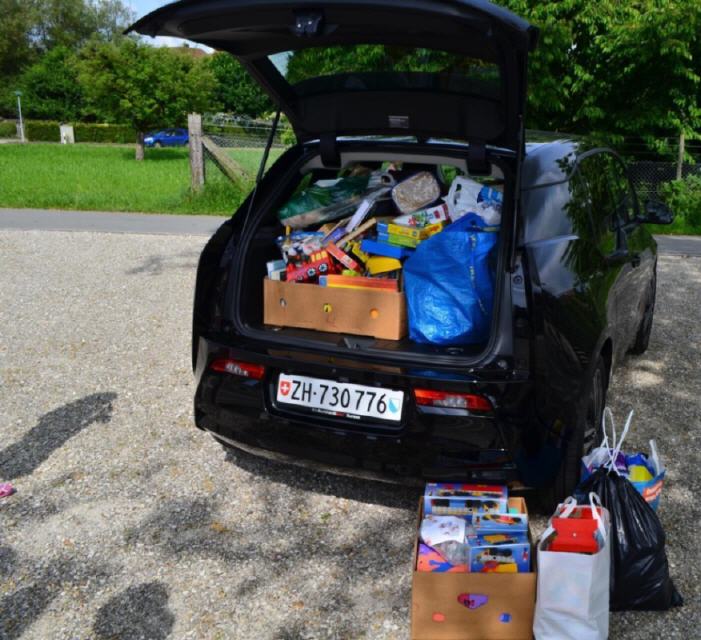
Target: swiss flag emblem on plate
column 285, row 387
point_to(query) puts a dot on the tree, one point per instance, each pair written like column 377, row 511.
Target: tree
column 15, row 47
column 71, row 23
column 613, row 68
column 236, row 90
column 146, row 87
column 51, row 88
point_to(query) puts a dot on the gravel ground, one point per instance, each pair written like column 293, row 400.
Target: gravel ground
column 130, row 523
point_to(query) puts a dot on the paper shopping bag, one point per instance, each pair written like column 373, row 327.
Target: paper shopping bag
column 573, row 588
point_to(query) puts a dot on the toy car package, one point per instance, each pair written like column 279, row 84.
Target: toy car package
column 499, row 553
column 464, row 499
column 500, row 522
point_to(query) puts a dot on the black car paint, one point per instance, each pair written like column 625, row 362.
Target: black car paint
column 570, row 305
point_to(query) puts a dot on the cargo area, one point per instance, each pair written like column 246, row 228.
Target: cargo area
column 394, row 254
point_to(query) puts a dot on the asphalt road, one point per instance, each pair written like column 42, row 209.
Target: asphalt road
column 106, row 222
column 130, row 523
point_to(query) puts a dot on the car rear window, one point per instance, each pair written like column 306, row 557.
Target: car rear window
column 386, row 68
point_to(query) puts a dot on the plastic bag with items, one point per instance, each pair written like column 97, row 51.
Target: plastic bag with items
column 639, row 569
column 449, row 287
column 323, row 201
column 468, row 196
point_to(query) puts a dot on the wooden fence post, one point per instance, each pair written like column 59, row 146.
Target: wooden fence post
column 194, row 128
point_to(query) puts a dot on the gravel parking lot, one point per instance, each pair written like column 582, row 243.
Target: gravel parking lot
column 130, row 523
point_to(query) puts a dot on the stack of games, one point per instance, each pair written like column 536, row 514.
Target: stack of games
column 472, row 528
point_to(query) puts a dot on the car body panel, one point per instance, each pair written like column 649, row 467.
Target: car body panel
column 362, row 103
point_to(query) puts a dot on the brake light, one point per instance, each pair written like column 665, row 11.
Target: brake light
column 470, row 401
column 238, row 368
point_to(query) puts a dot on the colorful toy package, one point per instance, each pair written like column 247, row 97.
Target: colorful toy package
column 429, row 560
column 500, row 522
column 464, row 499
column 499, row 553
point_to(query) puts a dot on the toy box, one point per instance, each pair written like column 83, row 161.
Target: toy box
column 379, row 248
column 499, row 553
column 363, row 311
column 449, row 499
column 500, row 522
column 449, row 605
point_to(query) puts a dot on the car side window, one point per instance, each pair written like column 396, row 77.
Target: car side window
column 602, row 204
column 622, row 194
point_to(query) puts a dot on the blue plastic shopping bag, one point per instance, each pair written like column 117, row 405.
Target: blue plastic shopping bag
column 449, row 287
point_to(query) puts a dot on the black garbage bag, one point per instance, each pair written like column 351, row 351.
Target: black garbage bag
column 639, row 569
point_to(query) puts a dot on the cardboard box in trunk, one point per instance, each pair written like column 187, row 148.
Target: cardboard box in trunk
column 437, row 613
column 365, row 312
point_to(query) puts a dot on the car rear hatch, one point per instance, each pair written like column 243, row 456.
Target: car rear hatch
column 452, row 69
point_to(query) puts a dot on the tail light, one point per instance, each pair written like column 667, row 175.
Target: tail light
column 238, row 368
column 451, row 400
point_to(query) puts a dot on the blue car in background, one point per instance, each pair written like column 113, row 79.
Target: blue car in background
column 166, row 138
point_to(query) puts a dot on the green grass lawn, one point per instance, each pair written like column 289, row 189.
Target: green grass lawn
column 107, row 178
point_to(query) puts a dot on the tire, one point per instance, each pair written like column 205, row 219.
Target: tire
column 586, row 436
column 642, row 338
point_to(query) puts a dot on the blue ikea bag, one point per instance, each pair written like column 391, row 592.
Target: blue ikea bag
column 449, row 286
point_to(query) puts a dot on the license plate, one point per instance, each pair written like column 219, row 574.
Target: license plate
column 340, row 398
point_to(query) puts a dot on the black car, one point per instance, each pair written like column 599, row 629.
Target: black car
column 575, row 266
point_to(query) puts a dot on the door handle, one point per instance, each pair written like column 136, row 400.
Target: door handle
column 635, row 260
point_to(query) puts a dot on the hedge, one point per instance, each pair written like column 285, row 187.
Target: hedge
column 115, row 133
column 42, row 131
column 49, row 131
column 8, row 129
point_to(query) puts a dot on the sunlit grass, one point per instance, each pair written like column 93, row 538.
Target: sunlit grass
column 107, row 178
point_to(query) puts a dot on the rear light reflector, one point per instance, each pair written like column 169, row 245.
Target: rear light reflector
column 238, row 368
column 450, row 400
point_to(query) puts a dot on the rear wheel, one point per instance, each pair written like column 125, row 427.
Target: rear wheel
column 586, row 436
column 642, row 338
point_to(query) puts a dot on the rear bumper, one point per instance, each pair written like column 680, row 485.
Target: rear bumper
column 479, row 448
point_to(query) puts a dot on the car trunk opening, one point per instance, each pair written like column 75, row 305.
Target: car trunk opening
column 260, row 246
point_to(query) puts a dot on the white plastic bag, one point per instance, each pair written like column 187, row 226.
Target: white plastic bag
column 464, row 197
column 573, row 588
column 607, row 454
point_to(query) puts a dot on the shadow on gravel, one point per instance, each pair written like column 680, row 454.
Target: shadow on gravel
column 368, row 491
column 139, row 612
column 278, row 545
column 8, row 559
column 157, row 264
column 21, row 608
column 52, row 431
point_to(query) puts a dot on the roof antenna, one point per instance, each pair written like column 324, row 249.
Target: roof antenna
column 261, row 167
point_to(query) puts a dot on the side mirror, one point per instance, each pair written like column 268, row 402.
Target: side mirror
column 657, row 212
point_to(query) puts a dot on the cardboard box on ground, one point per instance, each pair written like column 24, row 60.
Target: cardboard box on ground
column 346, row 242
column 482, row 605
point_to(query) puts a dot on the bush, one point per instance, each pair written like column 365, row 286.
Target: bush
column 684, row 199
column 49, row 131
column 8, row 129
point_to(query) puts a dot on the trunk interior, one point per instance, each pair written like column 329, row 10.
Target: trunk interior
column 260, row 246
